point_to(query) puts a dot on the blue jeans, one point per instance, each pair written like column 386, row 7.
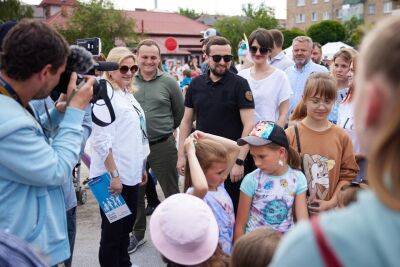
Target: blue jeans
column 71, row 226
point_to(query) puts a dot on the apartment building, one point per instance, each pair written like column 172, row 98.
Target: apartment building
column 303, row 13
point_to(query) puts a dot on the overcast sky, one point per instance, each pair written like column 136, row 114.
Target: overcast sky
column 225, row 7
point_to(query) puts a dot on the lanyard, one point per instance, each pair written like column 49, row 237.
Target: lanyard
column 7, row 90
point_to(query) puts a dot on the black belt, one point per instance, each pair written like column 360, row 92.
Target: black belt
column 160, row 140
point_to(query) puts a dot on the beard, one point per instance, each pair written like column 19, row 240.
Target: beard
column 217, row 72
column 301, row 62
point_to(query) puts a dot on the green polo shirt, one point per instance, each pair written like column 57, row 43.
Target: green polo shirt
column 162, row 102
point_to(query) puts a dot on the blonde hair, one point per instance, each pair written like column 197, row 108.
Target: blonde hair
column 380, row 55
column 117, row 55
column 318, row 84
column 207, row 153
column 256, row 248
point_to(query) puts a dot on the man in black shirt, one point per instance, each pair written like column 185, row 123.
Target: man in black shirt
column 221, row 102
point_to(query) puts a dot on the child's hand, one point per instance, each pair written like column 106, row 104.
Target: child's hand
column 189, row 144
column 318, row 205
column 198, row 135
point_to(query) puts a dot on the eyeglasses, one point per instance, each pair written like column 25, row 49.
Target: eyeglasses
column 125, row 69
column 217, row 58
column 263, row 50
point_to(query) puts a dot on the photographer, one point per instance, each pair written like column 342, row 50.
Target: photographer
column 33, row 166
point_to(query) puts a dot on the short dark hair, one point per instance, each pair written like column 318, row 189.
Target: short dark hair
column 316, row 44
column 29, row 46
column 216, row 40
column 263, row 37
column 278, row 37
column 148, row 42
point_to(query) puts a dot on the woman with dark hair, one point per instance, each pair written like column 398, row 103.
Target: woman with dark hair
column 269, row 85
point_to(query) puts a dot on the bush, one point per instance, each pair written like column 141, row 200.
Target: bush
column 327, row 31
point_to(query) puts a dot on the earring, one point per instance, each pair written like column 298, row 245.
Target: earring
column 280, row 162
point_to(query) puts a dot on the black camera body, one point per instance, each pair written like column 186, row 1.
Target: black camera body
column 93, row 45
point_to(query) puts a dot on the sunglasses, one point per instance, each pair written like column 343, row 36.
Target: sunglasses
column 263, row 50
column 125, row 69
column 217, row 58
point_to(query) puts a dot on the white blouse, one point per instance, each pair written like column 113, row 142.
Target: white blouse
column 126, row 137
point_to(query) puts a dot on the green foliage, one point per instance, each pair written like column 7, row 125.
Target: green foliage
column 254, row 17
column 190, row 13
column 13, row 10
column 354, row 31
column 327, row 31
column 99, row 19
column 289, row 35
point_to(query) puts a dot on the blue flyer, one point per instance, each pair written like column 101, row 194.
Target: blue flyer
column 114, row 207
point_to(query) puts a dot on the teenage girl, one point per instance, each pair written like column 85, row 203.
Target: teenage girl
column 327, row 152
column 209, row 161
column 277, row 188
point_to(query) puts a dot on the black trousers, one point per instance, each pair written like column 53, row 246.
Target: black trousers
column 151, row 193
column 233, row 189
column 114, row 240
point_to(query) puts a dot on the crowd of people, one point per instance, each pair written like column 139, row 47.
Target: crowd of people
column 286, row 162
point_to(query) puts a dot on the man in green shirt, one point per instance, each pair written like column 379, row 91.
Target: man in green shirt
column 162, row 102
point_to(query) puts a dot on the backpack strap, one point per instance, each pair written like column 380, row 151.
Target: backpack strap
column 296, row 133
column 328, row 255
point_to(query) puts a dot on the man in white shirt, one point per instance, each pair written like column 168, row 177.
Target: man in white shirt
column 278, row 59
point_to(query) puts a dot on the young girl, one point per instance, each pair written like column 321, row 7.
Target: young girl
column 341, row 67
column 269, row 85
column 326, row 150
column 209, row 161
column 268, row 194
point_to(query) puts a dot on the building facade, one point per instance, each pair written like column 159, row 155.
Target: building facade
column 303, row 13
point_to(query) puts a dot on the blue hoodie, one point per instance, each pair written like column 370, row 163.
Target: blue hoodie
column 32, row 170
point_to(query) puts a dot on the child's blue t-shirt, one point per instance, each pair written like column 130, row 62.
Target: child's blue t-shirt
column 272, row 198
column 222, row 207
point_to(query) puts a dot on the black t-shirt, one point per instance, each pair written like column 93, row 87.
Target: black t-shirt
column 216, row 105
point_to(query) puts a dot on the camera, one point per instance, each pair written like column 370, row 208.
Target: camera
column 80, row 60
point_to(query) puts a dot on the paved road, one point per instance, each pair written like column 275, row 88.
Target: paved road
column 88, row 237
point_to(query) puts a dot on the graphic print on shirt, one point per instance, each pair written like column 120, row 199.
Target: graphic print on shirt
column 276, row 211
column 316, row 169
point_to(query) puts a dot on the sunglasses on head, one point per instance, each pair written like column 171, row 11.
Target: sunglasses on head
column 217, row 58
column 125, row 69
column 263, row 50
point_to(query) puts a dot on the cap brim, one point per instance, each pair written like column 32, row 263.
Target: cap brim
column 253, row 141
column 178, row 256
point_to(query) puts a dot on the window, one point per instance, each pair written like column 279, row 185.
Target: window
column 314, row 1
column 326, row 15
column 371, row 9
column 326, row 1
column 314, row 16
column 301, row 2
column 387, row 7
column 339, row 13
column 300, row 18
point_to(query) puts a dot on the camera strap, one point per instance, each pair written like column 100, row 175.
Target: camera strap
column 7, row 90
column 103, row 95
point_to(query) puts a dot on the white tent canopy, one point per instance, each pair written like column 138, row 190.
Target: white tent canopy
column 330, row 49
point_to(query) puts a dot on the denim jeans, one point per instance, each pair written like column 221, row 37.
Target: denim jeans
column 71, row 226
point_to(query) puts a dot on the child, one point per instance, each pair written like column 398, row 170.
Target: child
column 326, row 150
column 255, row 249
column 187, row 79
column 209, row 161
column 184, row 230
column 268, row 194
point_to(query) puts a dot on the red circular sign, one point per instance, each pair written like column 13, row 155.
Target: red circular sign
column 171, row 44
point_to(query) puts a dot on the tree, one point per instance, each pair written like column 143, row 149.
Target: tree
column 289, row 35
column 327, row 31
column 14, row 10
column 234, row 28
column 354, row 31
column 99, row 19
column 190, row 13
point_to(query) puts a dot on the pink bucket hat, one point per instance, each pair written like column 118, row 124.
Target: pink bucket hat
column 184, row 230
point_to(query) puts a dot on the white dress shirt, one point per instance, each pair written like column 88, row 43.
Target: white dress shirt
column 126, row 137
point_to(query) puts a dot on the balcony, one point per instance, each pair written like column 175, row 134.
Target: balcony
column 353, row 2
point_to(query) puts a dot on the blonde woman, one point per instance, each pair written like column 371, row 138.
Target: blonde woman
column 120, row 149
column 367, row 232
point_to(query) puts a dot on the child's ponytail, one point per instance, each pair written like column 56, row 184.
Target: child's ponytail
column 300, row 111
column 294, row 159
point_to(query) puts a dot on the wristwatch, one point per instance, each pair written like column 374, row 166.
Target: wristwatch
column 239, row 162
column 114, row 173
